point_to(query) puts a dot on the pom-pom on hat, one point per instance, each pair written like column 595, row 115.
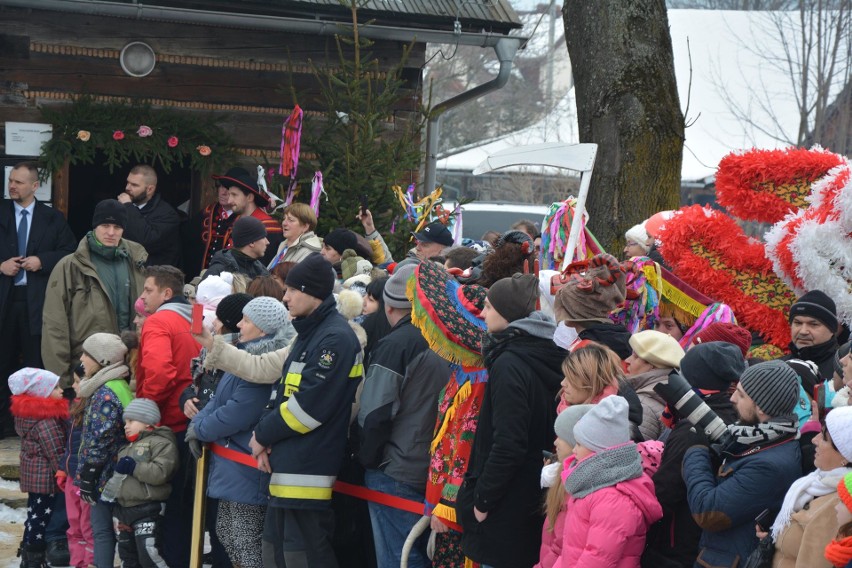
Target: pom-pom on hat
column 105, row 348
column 844, row 490
column 816, row 304
column 109, row 212
column 773, row 386
column 514, row 298
column 313, row 276
column 34, row 382
column 604, row 426
column 268, row 314
column 657, row 348
column 247, row 230
column 727, row 332
column 144, row 410
column 567, row 419
column 230, row 310
column 593, row 289
column 839, row 425
column 712, row 366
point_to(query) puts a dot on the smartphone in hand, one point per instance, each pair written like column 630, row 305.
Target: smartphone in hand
column 363, row 204
column 197, row 319
column 764, row 520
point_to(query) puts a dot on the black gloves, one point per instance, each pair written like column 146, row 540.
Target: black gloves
column 89, row 476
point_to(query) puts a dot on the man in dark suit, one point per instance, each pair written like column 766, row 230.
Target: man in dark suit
column 33, row 237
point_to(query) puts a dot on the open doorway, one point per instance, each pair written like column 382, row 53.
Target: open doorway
column 90, row 183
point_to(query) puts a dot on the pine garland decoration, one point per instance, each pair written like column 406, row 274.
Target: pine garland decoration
column 126, row 132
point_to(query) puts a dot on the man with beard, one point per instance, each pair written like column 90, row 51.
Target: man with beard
column 151, row 222
column 813, row 329
column 759, row 462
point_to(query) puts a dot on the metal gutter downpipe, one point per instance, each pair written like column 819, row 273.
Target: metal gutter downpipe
column 505, row 49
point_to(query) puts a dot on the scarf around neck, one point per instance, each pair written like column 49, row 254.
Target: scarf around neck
column 803, row 491
column 775, row 429
column 602, row 469
column 102, row 377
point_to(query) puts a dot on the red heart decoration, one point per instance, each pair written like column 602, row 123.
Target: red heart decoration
column 710, row 252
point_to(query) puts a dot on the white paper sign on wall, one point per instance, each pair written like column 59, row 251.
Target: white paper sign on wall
column 26, row 138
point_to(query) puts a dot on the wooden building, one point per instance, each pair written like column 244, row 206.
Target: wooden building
column 237, row 60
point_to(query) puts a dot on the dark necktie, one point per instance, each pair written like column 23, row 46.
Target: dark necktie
column 22, row 242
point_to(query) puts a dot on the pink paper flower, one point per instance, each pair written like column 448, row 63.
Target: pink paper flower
column 204, row 150
column 172, row 141
column 118, row 135
column 144, row 131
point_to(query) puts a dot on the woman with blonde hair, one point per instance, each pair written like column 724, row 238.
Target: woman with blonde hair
column 594, row 372
column 298, row 225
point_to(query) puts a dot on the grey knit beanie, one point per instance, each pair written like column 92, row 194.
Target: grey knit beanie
column 394, row 292
column 144, row 410
column 268, row 314
column 567, row 419
column 105, row 348
column 773, row 386
column 604, row 426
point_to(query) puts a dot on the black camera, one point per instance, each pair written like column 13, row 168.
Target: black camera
column 679, row 395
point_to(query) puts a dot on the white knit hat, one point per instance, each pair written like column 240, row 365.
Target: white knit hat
column 658, row 348
column 268, row 314
column 105, row 348
column 839, row 424
column 34, row 382
column 604, row 426
column 639, row 235
column 212, row 289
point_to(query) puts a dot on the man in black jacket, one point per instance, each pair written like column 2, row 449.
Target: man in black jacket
column 499, row 503
column 397, row 420
column 25, row 267
column 151, row 222
column 813, row 329
column 710, row 368
column 250, row 243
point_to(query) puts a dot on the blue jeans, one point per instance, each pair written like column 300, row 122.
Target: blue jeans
column 391, row 526
column 103, row 534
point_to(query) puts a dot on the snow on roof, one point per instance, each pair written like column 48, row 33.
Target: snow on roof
column 724, row 51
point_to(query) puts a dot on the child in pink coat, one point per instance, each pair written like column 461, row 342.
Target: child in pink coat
column 611, row 499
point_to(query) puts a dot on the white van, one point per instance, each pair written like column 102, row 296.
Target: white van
column 479, row 217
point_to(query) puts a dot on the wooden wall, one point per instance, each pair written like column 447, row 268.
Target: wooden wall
column 48, row 57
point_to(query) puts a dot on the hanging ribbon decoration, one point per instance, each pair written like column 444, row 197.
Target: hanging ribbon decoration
column 417, row 212
column 261, row 183
column 291, row 140
column 316, row 190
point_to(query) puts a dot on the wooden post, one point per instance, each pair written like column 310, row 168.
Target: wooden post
column 196, row 551
column 59, row 197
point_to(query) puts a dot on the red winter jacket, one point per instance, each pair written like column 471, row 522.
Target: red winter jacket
column 165, row 352
column 40, row 422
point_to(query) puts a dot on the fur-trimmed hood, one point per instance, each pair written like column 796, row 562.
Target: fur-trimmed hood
column 28, row 406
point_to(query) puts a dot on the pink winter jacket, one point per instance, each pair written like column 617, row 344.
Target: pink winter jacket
column 551, row 541
column 607, row 528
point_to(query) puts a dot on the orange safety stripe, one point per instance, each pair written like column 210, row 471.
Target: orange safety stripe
column 233, row 455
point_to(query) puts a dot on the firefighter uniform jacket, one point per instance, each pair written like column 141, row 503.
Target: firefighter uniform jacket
column 308, row 422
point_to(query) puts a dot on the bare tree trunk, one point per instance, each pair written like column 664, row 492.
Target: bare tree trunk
column 627, row 103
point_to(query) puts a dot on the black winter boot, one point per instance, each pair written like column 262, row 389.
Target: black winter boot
column 32, row 556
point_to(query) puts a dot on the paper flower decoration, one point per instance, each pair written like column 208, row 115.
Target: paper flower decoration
column 118, row 135
column 172, row 141
column 204, row 150
column 84, row 135
column 144, row 131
